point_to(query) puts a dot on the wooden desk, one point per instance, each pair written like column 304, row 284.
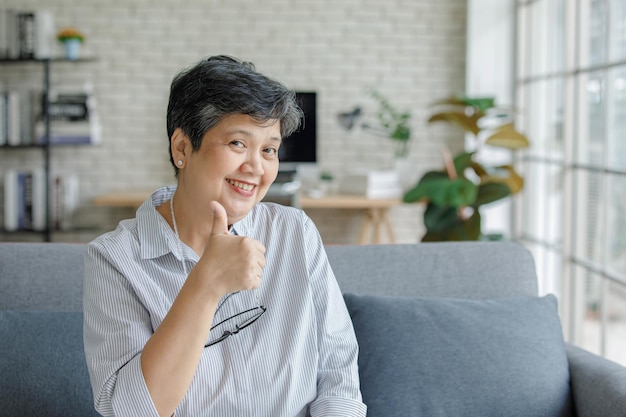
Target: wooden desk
column 124, row 199
column 376, row 215
column 376, row 210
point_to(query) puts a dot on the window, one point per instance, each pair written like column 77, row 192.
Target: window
column 570, row 88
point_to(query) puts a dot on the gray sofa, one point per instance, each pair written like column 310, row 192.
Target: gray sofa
column 444, row 329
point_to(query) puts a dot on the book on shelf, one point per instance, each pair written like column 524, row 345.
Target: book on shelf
column 26, row 34
column 375, row 184
column 64, row 200
column 11, row 201
column 17, row 117
column 25, row 200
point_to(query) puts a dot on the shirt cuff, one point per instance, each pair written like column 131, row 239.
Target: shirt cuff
column 131, row 397
column 338, row 407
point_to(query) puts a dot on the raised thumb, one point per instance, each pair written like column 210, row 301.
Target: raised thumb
column 220, row 222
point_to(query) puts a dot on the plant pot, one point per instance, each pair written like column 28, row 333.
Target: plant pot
column 72, row 49
column 406, row 171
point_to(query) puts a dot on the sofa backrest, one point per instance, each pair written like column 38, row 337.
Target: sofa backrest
column 45, row 277
column 41, row 276
column 49, row 276
column 476, row 270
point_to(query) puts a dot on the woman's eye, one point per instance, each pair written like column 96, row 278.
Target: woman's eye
column 271, row 151
column 237, row 143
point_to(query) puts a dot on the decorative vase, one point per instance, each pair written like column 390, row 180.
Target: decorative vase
column 72, row 49
column 406, row 171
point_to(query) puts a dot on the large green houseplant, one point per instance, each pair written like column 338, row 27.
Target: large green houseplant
column 454, row 194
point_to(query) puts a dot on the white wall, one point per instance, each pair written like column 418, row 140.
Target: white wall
column 413, row 51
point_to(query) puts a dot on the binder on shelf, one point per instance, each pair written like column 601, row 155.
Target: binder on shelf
column 13, row 118
column 17, row 117
column 11, row 201
column 39, row 211
column 26, row 34
column 45, row 36
column 3, row 119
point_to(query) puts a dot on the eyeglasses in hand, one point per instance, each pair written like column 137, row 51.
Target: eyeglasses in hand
column 243, row 320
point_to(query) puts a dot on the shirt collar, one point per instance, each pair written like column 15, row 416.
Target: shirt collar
column 156, row 237
column 241, row 227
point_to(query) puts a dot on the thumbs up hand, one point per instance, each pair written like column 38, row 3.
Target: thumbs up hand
column 231, row 263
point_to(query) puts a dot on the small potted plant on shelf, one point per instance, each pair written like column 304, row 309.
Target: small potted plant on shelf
column 71, row 38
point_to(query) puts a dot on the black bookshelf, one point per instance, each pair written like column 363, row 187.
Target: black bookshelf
column 45, row 145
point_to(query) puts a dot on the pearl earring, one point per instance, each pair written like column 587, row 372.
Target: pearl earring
column 180, row 163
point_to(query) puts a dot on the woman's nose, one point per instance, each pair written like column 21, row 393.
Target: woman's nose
column 254, row 164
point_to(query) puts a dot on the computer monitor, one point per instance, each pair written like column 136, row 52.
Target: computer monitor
column 301, row 146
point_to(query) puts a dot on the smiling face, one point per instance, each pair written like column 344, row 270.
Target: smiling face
column 235, row 165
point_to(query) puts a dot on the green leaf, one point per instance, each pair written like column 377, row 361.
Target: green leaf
column 420, row 190
column 458, row 231
column 506, row 136
column 434, row 189
column 440, row 219
column 402, row 132
column 439, row 189
column 481, row 103
column 467, row 123
column 461, row 192
column 472, row 226
column 490, row 192
column 463, row 161
column 443, row 191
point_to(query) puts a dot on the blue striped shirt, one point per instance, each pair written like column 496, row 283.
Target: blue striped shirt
column 298, row 359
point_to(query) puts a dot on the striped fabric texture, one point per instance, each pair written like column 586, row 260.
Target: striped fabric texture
column 298, row 359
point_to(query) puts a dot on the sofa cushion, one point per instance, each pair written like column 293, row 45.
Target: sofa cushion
column 453, row 357
column 42, row 365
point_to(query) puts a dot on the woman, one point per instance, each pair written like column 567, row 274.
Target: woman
column 209, row 302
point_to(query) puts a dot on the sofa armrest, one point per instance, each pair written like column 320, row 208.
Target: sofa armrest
column 598, row 384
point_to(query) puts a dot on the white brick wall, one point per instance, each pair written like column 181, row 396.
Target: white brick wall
column 413, row 51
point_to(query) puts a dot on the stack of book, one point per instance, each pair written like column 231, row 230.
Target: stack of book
column 73, row 120
column 375, row 184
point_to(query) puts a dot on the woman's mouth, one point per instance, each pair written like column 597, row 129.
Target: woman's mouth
column 241, row 185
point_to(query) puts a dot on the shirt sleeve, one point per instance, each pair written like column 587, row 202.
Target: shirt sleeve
column 338, row 388
column 115, row 329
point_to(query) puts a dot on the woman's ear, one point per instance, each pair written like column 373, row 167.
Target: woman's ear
column 179, row 145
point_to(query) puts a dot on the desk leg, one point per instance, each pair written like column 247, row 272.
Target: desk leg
column 376, row 217
column 385, row 218
column 366, row 227
column 373, row 223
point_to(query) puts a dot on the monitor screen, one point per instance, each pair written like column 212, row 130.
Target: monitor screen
column 301, row 146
